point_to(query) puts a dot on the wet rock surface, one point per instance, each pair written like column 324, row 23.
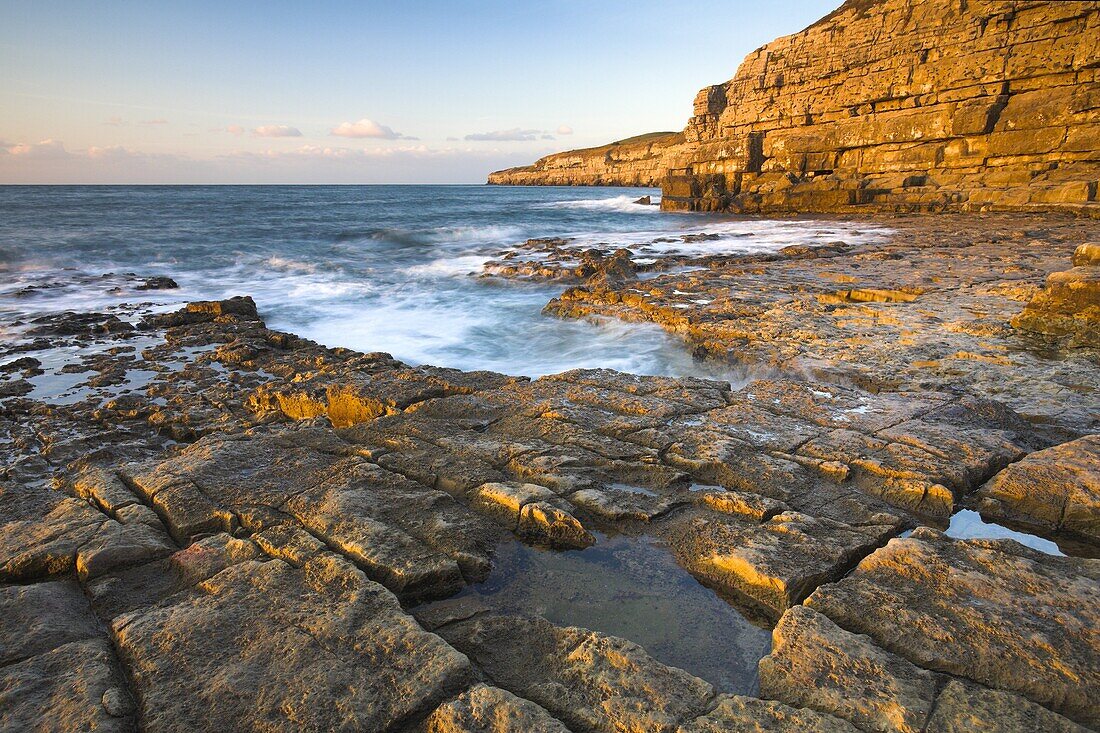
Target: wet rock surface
column 947, row 303
column 203, row 519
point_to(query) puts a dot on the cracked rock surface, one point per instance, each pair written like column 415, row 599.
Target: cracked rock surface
column 262, row 533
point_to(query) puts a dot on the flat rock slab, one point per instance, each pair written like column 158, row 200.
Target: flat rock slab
column 485, row 709
column 963, row 707
column 416, row 540
column 74, row 535
column 799, row 442
column 76, row 686
column 991, row 611
column 320, row 648
column 42, row 616
column 816, row 664
column 926, row 308
column 236, row 544
column 737, row 714
column 774, row 564
column 142, row 586
column 58, row 670
column 1057, row 489
column 589, row 681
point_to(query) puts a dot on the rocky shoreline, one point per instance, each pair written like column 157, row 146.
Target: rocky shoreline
column 208, row 524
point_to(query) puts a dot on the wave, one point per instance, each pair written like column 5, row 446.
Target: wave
column 484, row 233
column 285, row 263
column 449, row 266
column 481, row 234
column 624, row 204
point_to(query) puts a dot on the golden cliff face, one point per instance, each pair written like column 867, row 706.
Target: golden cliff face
column 905, row 104
column 888, row 104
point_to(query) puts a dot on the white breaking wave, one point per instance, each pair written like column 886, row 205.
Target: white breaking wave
column 285, row 263
column 487, row 233
column 449, row 266
column 737, row 237
column 623, row 204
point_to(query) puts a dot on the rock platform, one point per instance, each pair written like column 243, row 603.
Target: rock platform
column 213, row 525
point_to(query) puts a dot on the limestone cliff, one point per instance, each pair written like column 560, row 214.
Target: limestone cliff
column 903, row 105
column 636, row 161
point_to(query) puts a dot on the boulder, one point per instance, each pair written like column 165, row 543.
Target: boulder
column 1068, row 307
column 1087, row 255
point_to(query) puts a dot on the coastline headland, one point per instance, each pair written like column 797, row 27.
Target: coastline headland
column 883, row 516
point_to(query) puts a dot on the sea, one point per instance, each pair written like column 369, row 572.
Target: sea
column 395, row 269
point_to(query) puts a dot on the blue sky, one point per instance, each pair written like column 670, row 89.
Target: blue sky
column 368, row 92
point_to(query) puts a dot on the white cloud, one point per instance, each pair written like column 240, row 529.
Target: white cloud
column 115, row 122
column 46, row 149
column 367, row 128
column 235, row 130
column 339, row 153
column 49, row 161
column 565, row 130
column 547, row 137
column 157, row 121
column 505, row 135
column 276, row 131
column 54, row 150
column 112, row 152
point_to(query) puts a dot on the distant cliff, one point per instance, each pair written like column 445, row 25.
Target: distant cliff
column 636, row 161
column 902, row 105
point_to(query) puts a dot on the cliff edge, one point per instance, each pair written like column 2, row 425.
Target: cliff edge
column 635, row 161
column 911, row 105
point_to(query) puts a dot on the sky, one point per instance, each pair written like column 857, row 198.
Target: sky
column 352, row 92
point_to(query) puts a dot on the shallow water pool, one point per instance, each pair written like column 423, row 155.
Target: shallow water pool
column 632, row 587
